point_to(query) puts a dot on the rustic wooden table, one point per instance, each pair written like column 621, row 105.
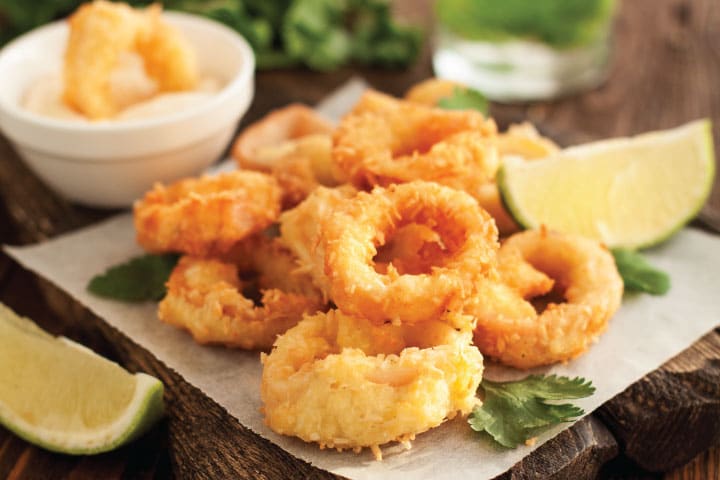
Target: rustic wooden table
column 666, row 71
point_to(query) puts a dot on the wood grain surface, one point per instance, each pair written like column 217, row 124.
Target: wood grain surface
column 665, row 71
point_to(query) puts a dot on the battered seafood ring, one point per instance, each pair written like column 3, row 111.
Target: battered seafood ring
column 260, row 145
column 294, row 145
column 300, row 231
column 385, row 141
column 509, row 328
column 351, row 235
column 347, row 384
column 205, row 297
column 99, row 32
column 207, row 215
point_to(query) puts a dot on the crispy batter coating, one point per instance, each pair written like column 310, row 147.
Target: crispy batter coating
column 207, row 215
column 589, row 291
column 386, row 140
column 351, row 235
column 347, row 384
column 293, row 144
column 260, row 145
column 300, row 231
column 100, row 32
column 205, row 297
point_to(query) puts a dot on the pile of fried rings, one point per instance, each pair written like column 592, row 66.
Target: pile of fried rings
column 365, row 257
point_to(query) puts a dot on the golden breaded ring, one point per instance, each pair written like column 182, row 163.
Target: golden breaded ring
column 300, row 231
column 99, row 32
column 351, row 235
column 205, row 297
column 347, row 384
column 385, row 140
column 207, row 215
column 508, row 327
column 262, row 143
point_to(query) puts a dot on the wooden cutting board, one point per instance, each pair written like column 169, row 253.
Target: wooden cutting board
column 665, row 72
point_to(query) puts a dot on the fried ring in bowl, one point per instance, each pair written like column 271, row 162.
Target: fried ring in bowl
column 205, row 297
column 351, row 235
column 99, row 32
column 345, row 383
column 384, row 141
column 207, row 215
column 586, row 294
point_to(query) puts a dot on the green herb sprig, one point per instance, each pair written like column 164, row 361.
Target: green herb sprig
column 139, row 279
column 464, row 98
column 514, row 412
column 318, row 34
column 638, row 275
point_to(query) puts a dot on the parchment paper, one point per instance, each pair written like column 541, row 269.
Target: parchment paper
column 646, row 332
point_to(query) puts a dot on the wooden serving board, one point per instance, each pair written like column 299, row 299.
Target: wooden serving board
column 665, row 72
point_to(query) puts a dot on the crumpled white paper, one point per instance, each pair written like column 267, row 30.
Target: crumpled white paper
column 645, row 333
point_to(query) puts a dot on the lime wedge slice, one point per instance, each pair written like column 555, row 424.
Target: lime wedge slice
column 627, row 192
column 63, row 397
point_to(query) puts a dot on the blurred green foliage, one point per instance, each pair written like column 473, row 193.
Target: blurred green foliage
column 319, row 34
column 560, row 23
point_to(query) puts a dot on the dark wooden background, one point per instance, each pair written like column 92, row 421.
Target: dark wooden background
column 666, row 71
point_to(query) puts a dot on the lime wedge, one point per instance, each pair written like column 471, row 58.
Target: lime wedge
column 627, row 192
column 63, row 397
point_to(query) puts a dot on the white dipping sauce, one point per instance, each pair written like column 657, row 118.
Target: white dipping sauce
column 132, row 90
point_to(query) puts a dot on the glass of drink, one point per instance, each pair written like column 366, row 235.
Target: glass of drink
column 521, row 50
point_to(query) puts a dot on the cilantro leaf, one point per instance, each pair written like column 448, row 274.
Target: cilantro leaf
column 638, row 275
column 139, row 279
column 513, row 412
column 465, row 99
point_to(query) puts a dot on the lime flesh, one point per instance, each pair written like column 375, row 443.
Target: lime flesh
column 627, row 192
column 63, row 397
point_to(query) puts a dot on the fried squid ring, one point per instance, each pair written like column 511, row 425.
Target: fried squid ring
column 205, row 297
column 207, row 215
column 293, row 144
column 347, row 384
column 351, row 235
column 588, row 290
column 100, row 32
column 300, row 231
column 385, row 141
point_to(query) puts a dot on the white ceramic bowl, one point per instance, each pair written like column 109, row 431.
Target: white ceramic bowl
column 110, row 164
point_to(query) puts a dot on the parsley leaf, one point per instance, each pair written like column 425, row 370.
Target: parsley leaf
column 139, row 279
column 513, row 412
column 465, row 99
column 638, row 275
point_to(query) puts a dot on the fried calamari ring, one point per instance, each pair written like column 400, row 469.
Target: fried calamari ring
column 347, row 384
column 100, row 32
column 273, row 265
column 260, row 145
column 589, row 291
column 351, row 235
column 293, row 144
column 300, row 231
column 205, row 297
column 207, row 215
column 385, row 141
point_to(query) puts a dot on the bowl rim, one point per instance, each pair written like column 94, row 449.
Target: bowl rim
column 239, row 81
